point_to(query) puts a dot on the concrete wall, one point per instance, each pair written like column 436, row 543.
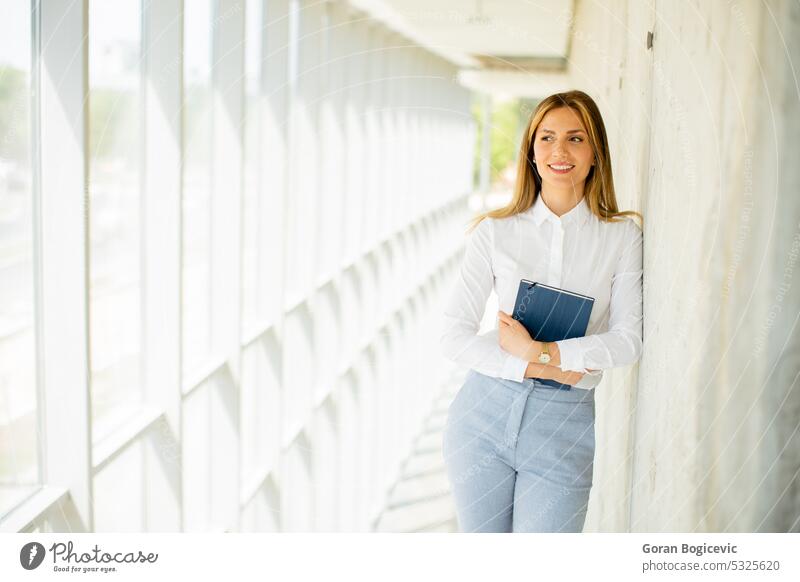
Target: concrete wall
column 704, row 128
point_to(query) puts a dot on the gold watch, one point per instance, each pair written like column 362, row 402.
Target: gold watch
column 544, row 355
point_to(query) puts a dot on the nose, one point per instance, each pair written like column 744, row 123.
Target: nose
column 558, row 149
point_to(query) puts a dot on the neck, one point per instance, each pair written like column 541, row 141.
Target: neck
column 562, row 200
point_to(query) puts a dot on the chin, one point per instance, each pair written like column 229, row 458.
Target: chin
column 562, row 181
column 567, row 179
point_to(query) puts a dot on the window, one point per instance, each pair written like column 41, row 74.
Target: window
column 19, row 438
column 253, row 277
column 196, row 184
column 115, row 137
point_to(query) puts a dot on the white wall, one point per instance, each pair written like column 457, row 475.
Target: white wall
column 704, row 130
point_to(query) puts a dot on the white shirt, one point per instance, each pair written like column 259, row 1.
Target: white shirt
column 577, row 252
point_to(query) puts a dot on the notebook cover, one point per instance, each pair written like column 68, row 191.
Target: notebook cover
column 551, row 314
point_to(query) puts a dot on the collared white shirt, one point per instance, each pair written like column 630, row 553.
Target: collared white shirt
column 577, row 252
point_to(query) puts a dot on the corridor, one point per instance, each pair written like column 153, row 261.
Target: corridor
column 228, row 229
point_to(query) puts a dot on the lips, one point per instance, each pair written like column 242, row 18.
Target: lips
column 560, row 168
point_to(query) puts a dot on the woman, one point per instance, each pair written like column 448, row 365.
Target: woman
column 519, row 453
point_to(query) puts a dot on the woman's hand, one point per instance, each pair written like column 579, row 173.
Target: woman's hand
column 548, row 372
column 514, row 338
column 570, row 378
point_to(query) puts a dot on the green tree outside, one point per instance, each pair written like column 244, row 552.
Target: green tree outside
column 507, row 122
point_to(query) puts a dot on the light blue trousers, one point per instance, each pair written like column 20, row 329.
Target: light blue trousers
column 519, row 456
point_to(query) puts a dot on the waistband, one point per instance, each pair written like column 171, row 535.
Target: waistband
column 544, row 391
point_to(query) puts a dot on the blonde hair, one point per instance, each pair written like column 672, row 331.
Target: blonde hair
column 599, row 187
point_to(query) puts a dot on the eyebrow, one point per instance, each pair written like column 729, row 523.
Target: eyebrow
column 570, row 131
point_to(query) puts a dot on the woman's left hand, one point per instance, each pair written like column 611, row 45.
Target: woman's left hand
column 513, row 337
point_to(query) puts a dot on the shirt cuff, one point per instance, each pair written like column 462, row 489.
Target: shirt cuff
column 571, row 355
column 514, row 368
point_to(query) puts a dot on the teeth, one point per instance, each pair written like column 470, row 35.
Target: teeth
column 561, row 167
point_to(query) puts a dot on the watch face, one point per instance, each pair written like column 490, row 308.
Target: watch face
column 544, row 358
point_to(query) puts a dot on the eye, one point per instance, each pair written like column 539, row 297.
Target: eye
column 547, row 138
column 577, row 139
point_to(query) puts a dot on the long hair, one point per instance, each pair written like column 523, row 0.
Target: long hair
column 599, row 186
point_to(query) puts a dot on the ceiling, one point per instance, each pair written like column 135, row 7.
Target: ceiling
column 504, row 47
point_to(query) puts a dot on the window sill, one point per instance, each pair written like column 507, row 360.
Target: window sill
column 33, row 510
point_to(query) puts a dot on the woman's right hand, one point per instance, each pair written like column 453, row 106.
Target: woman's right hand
column 547, row 372
column 570, row 378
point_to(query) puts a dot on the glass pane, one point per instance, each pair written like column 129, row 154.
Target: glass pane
column 260, row 408
column 115, row 120
column 262, row 513
column 196, row 183
column 18, row 420
column 119, row 492
column 252, row 279
column 196, row 460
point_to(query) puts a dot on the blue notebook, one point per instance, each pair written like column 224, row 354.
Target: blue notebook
column 551, row 314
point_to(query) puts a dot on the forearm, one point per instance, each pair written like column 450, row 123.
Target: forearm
column 611, row 349
column 544, row 371
column 480, row 352
column 535, row 369
column 532, row 354
column 549, row 371
column 526, row 353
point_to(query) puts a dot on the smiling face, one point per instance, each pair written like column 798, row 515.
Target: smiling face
column 562, row 151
